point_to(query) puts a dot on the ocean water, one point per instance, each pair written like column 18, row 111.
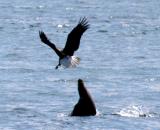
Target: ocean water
column 120, row 65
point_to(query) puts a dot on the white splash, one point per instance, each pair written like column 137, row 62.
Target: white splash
column 61, row 115
column 133, row 111
column 59, row 25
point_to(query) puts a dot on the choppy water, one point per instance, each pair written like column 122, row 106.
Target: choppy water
column 120, row 64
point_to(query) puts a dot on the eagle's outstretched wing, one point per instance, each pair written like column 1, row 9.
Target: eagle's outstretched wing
column 73, row 40
column 45, row 40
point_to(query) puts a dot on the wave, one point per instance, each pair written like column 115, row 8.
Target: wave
column 136, row 111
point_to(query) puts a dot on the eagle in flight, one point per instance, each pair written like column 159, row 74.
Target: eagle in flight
column 66, row 55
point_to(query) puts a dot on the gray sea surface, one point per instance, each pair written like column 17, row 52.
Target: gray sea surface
column 120, row 64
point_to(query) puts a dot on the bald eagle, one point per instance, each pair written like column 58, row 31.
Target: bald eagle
column 66, row 55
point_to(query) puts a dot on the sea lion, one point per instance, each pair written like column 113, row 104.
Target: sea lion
column 85, row 105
